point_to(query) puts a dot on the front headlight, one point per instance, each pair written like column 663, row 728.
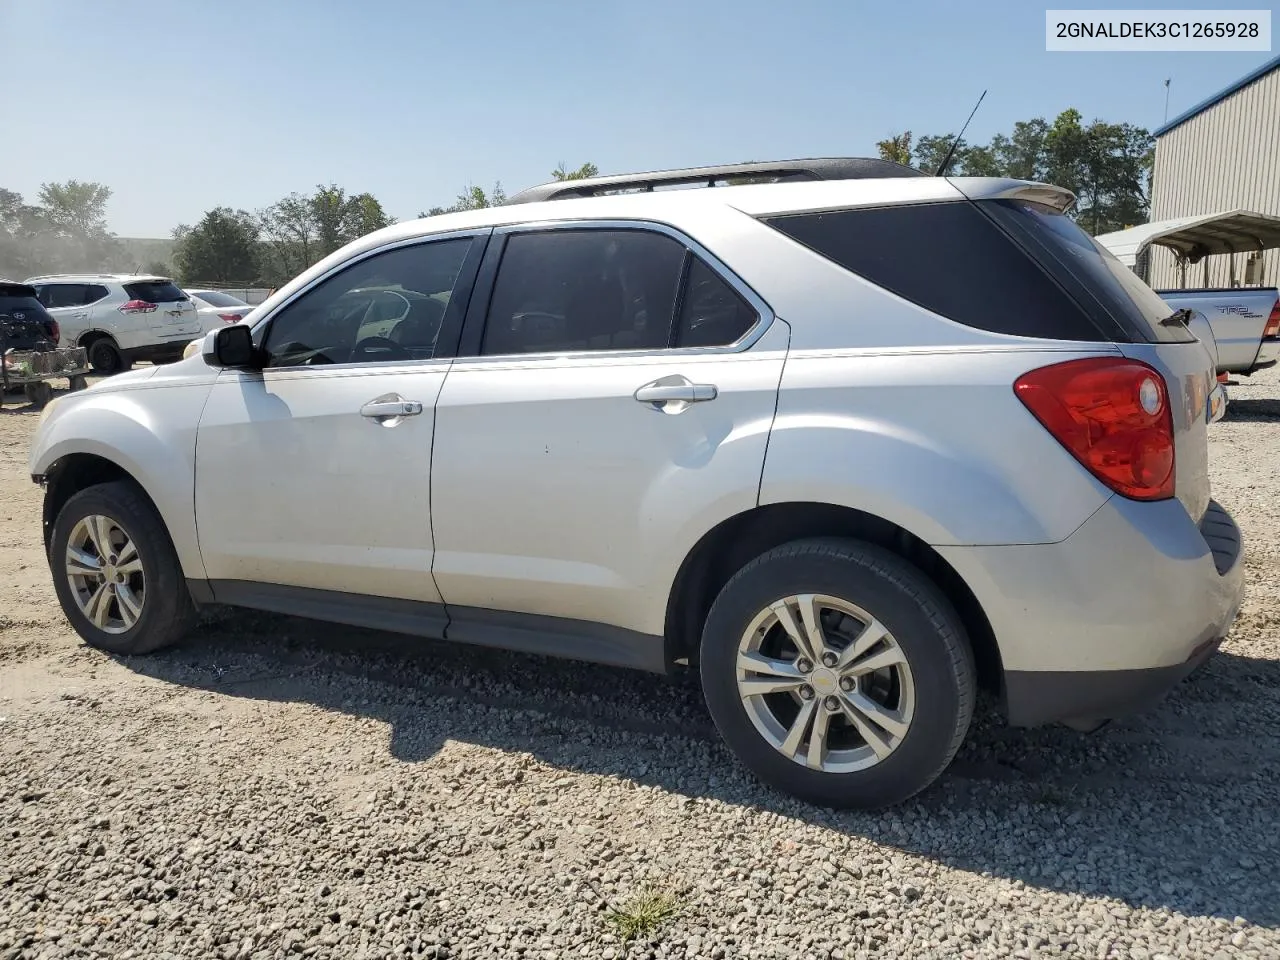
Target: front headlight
column 192, row 349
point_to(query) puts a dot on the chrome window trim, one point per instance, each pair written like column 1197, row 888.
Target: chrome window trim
column 471, row 232
column 764, row 313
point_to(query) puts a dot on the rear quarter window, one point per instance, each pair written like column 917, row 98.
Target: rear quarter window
column 154, row 291
column 949, row 258
column 1101, row 284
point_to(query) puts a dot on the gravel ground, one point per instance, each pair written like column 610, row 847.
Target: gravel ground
column 276, row 787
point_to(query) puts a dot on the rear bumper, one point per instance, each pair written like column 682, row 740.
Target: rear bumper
column 1107, row 621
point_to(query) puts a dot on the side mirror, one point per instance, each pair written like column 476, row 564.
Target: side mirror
column 231, row 346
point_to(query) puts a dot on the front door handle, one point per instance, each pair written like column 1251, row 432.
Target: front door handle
column 674, row 394
column 389, row 409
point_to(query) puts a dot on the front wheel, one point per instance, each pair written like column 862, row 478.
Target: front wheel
column 116, row 573
column 837, row 672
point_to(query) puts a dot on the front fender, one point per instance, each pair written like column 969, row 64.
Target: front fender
column 150, row 434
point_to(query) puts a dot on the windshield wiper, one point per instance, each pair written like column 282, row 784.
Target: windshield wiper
column 1179, row 318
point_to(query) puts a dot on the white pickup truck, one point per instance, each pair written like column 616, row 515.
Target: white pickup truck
column 1245, row 324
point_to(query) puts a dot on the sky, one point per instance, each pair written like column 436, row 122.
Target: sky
column 184, row 105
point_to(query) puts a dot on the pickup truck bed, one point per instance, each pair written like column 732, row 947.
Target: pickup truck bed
column 1245, row 322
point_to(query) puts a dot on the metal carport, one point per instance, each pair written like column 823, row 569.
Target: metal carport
column 1192, row 239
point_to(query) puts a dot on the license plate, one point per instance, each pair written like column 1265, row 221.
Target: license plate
column 175, row 316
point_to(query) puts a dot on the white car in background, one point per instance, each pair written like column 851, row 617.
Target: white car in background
column 119, row 318
column 216, row 308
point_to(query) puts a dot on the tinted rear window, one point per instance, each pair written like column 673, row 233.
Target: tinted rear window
column 12, row 302
column 1100, row 282
column 949, row 258
column 216, row 299
column 154, row 291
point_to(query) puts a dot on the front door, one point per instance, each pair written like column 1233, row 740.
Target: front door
column 315, row 471
column 611, row 408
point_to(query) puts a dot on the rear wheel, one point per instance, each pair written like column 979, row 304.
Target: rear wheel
column 116, row 573
column 105, row 357
column 838, row 672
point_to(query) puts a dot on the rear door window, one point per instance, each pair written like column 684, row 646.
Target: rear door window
column 154, row 291
column 712, row 314
column 584, row 289
column 56, row 295
column 95, row 292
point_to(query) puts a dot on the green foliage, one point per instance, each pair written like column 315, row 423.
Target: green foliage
column 582, row 173
column 1106, row 165
column 897, row 149
column 301, row 229
column 642, row 915
column 65, row 231
column 222, row 248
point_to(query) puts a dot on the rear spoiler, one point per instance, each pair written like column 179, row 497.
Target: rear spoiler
column 985, row 188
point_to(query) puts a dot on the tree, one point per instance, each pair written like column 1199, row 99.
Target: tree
column 1106, row 165
column 76, row 207
column 897, row 149
column 475, row 198
column 582, row 173
column 223, row 247
column 66, row 231
column 301, row 229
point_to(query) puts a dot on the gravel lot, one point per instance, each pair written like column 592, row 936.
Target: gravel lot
column 278, row 787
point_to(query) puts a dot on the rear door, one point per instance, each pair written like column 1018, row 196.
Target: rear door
column 582, row 436
column 170, row 313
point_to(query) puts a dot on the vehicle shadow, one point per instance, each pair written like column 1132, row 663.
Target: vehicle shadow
column 1253, row 411
column 1175, row 809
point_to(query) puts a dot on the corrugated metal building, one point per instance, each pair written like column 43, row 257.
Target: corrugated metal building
column 1222, row 154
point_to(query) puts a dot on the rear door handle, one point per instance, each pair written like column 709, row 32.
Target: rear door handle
column 675, row 392
column 390, row 409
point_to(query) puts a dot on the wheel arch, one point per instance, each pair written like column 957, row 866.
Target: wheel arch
column 75, row 455
column 92, row 336
column 69, row 474
column 737, row 540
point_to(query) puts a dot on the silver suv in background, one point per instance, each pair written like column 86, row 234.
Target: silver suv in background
column 851, row 444
column 119, row 318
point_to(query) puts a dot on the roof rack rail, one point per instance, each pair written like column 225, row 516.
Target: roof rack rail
column 778, row 171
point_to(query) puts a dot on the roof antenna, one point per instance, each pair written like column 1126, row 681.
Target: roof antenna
column 946, row 161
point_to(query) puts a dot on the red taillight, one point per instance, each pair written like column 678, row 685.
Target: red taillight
column 229, row 317
column 137, row 306
column 55, row 331
column 1113, row 416
column 1272, row 329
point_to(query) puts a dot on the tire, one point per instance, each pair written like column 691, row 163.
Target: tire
column 165, row 612
column 105, row 357
column 926, row 693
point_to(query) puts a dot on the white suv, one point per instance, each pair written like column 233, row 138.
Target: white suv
column 850, row 448
column 119, row 318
